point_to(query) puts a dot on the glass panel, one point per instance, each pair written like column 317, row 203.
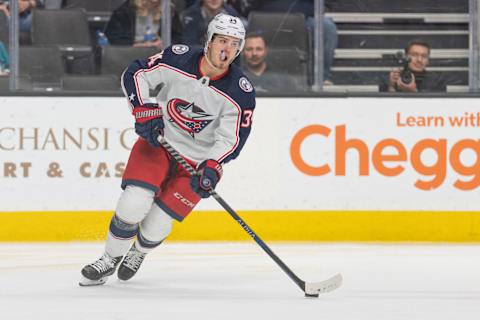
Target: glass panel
column 276, row 49
column 59, row 50
column 4, row 47
column 381, row 42
column 362, row 41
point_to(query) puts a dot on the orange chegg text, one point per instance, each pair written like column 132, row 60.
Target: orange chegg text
column 445, row 159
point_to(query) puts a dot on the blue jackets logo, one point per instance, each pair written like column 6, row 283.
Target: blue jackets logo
column 180, row 49
column 188, row 116
column 245, row 85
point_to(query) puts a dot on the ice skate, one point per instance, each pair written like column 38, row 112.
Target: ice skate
column 130, row 265
column 96, row 273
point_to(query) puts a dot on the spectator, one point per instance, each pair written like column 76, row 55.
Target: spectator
column 417, row 54
column 189, row 3
column 330, row 41
column 256, row 68
column 4, row 60
column 244, row 7
column 196, row 18
column 25, row 9
column 138, row 23
column 330, row 34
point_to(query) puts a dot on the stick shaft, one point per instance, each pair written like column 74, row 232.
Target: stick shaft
column 174, row 153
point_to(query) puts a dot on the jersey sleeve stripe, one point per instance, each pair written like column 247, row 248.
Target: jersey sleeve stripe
column 137, row 88
column 154, row 68
column 237, row 131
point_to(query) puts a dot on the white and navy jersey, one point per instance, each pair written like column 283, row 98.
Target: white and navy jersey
column 204, row 118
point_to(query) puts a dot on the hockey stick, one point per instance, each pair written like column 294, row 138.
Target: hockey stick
column 311, row 289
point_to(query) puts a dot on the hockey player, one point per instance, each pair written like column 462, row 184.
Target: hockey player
column 204, row 110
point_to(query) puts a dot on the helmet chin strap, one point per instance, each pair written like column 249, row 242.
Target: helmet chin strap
column 210, row 63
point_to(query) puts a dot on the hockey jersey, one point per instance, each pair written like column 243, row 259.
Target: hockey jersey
column 205, row 118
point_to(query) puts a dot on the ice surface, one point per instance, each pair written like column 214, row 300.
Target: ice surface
column 239, row 281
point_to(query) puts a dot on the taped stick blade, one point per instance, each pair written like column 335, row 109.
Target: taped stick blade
column 315, row 288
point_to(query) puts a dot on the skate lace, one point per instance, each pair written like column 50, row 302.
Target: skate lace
column 104, row 263
column 134, row 259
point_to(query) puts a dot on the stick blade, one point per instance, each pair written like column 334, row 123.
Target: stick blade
column 313, row 289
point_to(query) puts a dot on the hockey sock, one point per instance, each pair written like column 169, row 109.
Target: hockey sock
column 145, row 245
column 120, row 237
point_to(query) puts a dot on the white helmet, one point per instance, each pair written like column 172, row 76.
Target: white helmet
column 226, row 25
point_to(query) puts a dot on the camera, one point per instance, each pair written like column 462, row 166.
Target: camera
column 405, row 74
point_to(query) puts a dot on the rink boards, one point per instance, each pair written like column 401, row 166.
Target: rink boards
column 358, row 169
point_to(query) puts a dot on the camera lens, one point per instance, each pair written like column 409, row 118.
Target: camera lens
column 406, row 76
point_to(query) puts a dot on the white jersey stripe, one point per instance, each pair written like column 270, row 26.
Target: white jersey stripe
column 137, row 87
column 239, row 117
column 135, row 77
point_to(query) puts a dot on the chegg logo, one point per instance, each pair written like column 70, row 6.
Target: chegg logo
column 437, row 171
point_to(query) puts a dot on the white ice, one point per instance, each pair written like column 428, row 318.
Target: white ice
column 238, row 281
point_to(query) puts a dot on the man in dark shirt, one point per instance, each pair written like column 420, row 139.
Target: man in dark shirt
column 257, row 70
column 196, row 18
column 418, row 55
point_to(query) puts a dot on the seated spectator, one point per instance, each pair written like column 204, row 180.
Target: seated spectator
column 244, row 7
column 25, row 8
column 4, row 60
column 330, row 34
column 256, row 68
column 330, row 41
column 189, row 3
column 196, row 18
column 138, row 23
column 415, row 76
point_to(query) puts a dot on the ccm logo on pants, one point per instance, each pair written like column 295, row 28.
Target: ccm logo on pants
column 184, row 200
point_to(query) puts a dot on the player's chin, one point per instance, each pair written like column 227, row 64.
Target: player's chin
column 221, row 65
column 225, row 63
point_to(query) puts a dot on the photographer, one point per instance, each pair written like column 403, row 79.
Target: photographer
column 414, row 77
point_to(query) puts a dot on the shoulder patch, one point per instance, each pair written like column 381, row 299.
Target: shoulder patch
column 245, row 85
column 180, row 48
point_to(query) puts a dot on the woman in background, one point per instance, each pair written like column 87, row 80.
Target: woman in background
column 138, row 23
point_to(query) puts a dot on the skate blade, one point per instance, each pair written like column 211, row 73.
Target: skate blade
column 84, row 282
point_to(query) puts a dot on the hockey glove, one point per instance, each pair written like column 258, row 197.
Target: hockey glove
column 208, row 174
column 149, row 122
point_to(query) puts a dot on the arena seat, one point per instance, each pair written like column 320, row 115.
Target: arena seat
column 371, row 32
column 68, row 30
column 289, row 62
column 101, row 83
column 116, row 58
column 97, row 10
column 281, row 30
column 42, row 66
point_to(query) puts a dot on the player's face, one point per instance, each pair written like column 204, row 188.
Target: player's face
column 255, row 51
column 222, row 50
column 419, row 58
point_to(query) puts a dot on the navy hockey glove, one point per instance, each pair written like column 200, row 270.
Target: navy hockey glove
column 208, row 174
column 149, row 122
